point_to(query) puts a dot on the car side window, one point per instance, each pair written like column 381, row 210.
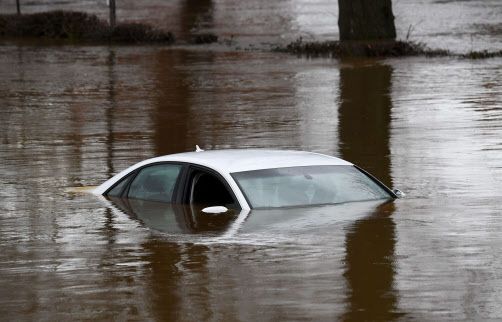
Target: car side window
column 119, row 188
column 155, row 183
column 208, row 190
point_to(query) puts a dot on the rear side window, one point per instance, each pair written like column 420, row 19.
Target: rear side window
column 155, row 183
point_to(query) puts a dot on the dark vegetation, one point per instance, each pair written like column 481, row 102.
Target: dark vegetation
column 359, row 48
column 78, row 26
column 481, row 54
column 390, row 48
column 205, row 38
column 82, row 27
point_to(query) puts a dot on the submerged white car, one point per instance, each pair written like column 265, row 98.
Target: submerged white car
column 246, row 179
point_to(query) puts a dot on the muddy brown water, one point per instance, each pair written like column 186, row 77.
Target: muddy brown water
column 72, row 116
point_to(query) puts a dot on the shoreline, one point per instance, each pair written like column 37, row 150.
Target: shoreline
column 79, row 28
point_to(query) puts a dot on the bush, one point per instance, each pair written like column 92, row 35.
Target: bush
column 137, row 32
column 360, row 48
column 77, row 26
column 54, row 24
column 206, row 38
column 482, row 54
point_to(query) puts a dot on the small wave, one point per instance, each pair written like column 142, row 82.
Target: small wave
column 85, row 189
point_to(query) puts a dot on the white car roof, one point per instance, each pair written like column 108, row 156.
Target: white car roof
column 229, row 161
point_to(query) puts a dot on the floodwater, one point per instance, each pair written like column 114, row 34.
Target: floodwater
column 72, row 116
column 457, row 25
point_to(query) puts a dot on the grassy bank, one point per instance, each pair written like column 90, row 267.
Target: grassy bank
column 78, row 27
column 357, row 48
column 399, row 48
column 81, row 27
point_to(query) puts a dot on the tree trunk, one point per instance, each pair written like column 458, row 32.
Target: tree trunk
column 18, row 7
column 366, row 20
column 112, row 13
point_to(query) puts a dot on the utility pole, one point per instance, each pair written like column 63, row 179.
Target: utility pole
column 111, row 4
column 18, row 7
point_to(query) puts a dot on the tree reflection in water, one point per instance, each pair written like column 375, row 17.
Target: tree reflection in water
column 365, row 116
column 370, row 267
column 180, row 280
column 187, row 274
column 364, row 123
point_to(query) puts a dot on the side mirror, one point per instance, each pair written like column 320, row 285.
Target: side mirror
column 215, row 210
column 399, row 193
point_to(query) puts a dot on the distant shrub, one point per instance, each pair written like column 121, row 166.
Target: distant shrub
column 482, row 54
column 54, row 24
column 206, row 38
column 78, row 26
column 138, row 32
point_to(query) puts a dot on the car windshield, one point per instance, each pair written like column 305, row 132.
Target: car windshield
column 307, row 185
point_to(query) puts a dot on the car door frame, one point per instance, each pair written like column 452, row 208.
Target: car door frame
column 183, row 193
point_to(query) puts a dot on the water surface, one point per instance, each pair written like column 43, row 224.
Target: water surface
column 72, row 116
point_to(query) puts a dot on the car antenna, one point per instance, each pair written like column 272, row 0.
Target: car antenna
column 198, row 149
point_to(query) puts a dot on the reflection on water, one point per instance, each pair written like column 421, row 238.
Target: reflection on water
column 163, row 284
column 195, row 15
column 364, row 125
column 205, row 275
column 176, row 219
column 370, row 272
column 171, row 104
column 109, row 113
column 364, row 117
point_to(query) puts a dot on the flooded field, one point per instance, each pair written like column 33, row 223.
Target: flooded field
column 72, row 116
column 457, row 25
